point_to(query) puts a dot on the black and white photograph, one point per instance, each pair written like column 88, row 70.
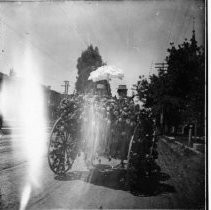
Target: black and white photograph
column 103, row 104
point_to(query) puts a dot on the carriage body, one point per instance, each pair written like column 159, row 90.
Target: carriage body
column 102, row 126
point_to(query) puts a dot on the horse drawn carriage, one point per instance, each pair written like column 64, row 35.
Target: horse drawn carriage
column 90, row 125
column 101, row 125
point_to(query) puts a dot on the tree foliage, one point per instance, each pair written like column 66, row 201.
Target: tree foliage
column 177, row 94
column 89, row 61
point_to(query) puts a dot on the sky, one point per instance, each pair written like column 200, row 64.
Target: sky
column 132, row 35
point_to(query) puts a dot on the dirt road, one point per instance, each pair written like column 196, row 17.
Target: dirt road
column 102, row 190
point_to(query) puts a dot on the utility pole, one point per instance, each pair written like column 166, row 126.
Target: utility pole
column 66, row 87
column 163, row 67
column 193, row 23
column 150, row 70
column 190, row 136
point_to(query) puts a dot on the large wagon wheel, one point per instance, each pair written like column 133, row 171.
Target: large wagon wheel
column 62, row 149
column 138, row 156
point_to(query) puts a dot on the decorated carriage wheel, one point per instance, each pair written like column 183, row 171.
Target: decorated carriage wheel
column 62, row 149
column 143, row 153
column 132, row 147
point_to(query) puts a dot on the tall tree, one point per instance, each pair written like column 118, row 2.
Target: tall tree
column 178, row 94
column 89, row 61
column 186, row 73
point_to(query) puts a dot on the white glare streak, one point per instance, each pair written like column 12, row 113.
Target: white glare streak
column 33, row 118
column 93, row 130
column 25, row 197
column 79, row 163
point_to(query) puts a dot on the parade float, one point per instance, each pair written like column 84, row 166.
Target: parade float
column 98, row 125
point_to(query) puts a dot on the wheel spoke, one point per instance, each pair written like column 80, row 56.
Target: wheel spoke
column 62, row 151
column 68, row 136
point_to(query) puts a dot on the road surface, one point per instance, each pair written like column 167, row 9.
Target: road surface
column 181, row 185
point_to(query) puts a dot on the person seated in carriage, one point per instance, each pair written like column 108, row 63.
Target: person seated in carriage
column 115, row 122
